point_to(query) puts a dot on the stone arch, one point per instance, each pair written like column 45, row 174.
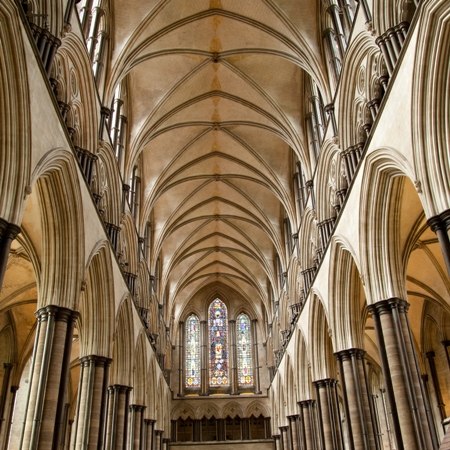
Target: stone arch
column 291, row 388
column 347, row 300
column 308, row 240
column 139, row 371
column 15, row 151
column 255, row 409
column 128, row 250
column 430, row 130
column 363, row 53
column 381, row 207
column 63, row 231
column 328, row 172
column 123, row 346
column 302, row 368
column 232, row 409
column 80, row 80
column 151, row 393
column 96, row 322
column 107, row 185
column 322, row 359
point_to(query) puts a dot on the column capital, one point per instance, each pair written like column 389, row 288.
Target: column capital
column 119, row 388
column 350, row 353
column 60, row 313
column 137, row 408
column 283, row 428
column 306, row 403
column 386, row 306
column 96, row 359
column 325, row 382
column 8, row 230
column 440, row 221
column 150, row 421
column 293, row 417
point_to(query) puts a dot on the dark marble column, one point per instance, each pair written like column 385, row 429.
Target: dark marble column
column 284, row 431
column 293, row 430
column 149, row 425
column 357, row 404
column 8, row 232
column 440, row 224
column 158, row 440
column 7, row 367
column 309, row 435
column 136, row 439
column 436, row 384
column 412, row 426
column 117, row 420
column 48, row 377
column 10, row 411
column 277, row 441
column 330, row 420
column 89, row 425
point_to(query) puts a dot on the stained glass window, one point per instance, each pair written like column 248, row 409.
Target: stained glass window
column 218, row 344
column 192, row 342
column 244, row 351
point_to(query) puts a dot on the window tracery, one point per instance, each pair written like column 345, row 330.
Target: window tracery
column 193, row 366
column 244, row 351
column 218, row 344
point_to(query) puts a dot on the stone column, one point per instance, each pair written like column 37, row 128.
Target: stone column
column 277, row 441
column 284, row 431
column 158, row 439
column 89, row 426
column 436, row 384
column 256, row 356
column 117, row 421
column 308, row 432
column 8, row 232
column 204, row 339
column 233, row 357
column 293, row 428
column 7, row 367
column 165, row 443
column 181, row 360
column 412, row 425
column 329, row 413
column 48, row 377
column 357, row 404
column 149, row 425
column 136, row 438
column 6, row 428
column 440, row 224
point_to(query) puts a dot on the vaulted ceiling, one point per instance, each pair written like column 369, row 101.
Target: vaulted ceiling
column 215, row 107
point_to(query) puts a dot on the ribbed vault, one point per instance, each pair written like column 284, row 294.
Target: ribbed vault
column 215, row 133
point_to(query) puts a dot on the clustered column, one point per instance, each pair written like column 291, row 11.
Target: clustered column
column 137, row 427
column 92, row 396
column 412, row 425
column 118, row 403
column 49, row 374
column 329, row 414
column 356, row 399
column 308, row 431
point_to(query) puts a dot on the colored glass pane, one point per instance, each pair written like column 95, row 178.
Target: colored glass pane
column 192, row 343
column 218, row 344
column 244, row 351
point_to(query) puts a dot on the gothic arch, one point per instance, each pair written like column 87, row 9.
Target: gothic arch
column 96, row 322
column 123, row 346
column 139, row 370
column 15, row 156
column 322, row 359
column 380, row 207
column 63, row 231
column 346, row 297
column 79, row 86
column 430, row 129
